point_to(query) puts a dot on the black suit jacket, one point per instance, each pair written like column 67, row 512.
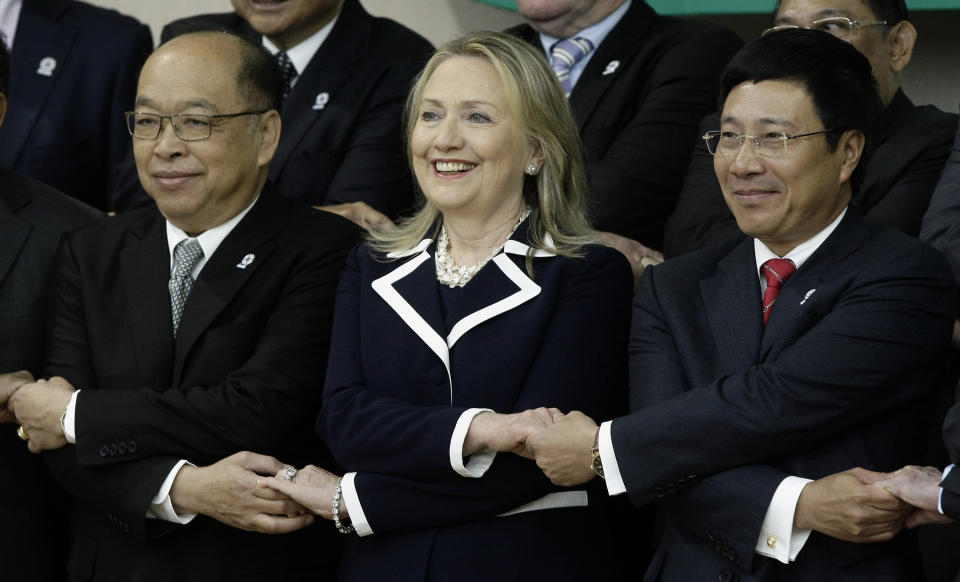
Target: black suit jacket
column 243, row 373
column 845, row 374
column 638, row 123
column 406, row 362
column 33, row 216
column 352, row 148
column 67, row 128
column 912, row 145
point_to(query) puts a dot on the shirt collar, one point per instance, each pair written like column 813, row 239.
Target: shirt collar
column 800, row 253
column 595, row 33
column 301, row 54
column 9, row 16
column 209, row 239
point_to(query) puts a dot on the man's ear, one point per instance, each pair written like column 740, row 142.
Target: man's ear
column 901, row 39
column 268, row 134
column 851, row 147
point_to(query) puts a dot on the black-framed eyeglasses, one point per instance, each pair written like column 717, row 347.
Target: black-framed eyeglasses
column 187, row 126
column 771, row 144
column 839, row 26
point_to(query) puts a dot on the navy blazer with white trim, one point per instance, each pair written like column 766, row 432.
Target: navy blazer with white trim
column 399, row 381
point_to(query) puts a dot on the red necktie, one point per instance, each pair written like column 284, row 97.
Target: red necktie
column 777, row 271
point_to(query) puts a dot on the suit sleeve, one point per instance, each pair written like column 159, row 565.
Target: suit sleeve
column 580, row 364
column 893, row 317
column 256, row 406
column 635, row 180
column 701, row 217
column 941, row 223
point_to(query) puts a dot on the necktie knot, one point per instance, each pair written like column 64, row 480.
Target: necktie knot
column 186, row 255
column 776, row 272
column 288, row 70
column 565, row 54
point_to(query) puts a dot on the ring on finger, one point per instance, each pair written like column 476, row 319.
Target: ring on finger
column 22, row 433
column 289, row 472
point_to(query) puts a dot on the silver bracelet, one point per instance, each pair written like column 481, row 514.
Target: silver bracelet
column 344, row 528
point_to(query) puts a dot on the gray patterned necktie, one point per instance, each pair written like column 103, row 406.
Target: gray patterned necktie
column 288, row 70
column 564, row 55
column 186, row 255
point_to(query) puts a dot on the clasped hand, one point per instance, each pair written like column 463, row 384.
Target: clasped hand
column 560, row 443
column 37, row 406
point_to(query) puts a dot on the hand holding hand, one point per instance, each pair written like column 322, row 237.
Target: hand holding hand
column 563, row 449
column 920, row 487
column 507, row 433
column 38, row 407
column 362, row 214
column 228, row 492
column 312, row 487
column 9, row 383
column 847, row 507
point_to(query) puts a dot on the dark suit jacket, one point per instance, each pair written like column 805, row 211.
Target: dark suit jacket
column 67, row 128
column 912, row 144
column 243, row 373
column 352, row 148
column 405, row 364
column 638, row 124
column 33, row 216
column 844, row 375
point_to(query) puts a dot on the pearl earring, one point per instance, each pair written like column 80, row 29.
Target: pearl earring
column 532, row 169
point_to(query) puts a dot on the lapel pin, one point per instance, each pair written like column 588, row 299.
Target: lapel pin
column 246, row 261
column 321, row 101
column 807, row 296
column 612, row 67
column 46, row 67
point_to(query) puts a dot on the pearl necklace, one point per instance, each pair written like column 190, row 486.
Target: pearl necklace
column 449, row 273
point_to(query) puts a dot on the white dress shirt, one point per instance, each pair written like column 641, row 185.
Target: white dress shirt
column 778, row 538
column 9, row 17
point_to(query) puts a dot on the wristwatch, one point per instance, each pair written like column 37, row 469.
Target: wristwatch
column 596, row 463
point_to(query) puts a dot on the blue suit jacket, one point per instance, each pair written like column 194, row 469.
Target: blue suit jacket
column 402, row 373
column 843, row 376
column 67, row 128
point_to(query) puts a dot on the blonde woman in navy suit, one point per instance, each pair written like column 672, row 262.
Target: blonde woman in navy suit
column 493, row 299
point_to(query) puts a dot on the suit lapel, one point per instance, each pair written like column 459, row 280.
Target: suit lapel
column 13, row 231
column 145, row 270
column 221, row 277
column 619, row 45
column 329, row 69
column 33, row 44
column 823, row 266
column 732, row 302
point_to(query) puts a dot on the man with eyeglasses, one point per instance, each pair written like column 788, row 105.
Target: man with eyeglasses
column 187, row 331
column 807, row 347
column 911, row 146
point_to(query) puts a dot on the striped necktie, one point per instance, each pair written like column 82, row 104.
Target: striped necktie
column 776, row 271
column 564, row 55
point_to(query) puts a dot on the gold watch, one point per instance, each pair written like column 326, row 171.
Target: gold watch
column 596, row 463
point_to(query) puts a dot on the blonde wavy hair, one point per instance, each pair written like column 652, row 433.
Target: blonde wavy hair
column 556, row 195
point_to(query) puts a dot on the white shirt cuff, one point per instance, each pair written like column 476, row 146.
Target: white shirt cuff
column 161, row 507
column 348, row 494
column 779, row 539
column 611, row 470
column 479, row 461
column 70, row 419
column 940, row 494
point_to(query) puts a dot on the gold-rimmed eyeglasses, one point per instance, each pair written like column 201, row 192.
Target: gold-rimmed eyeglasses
column 187, row 126
column 774, row 143
column 839, row 26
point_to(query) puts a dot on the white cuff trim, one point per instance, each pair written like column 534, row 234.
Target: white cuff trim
column 162, row 507
column 611, row 470
column 70, row 419
column 946, row 472
column 779, row 539
column 348, row 492
column 480, row 461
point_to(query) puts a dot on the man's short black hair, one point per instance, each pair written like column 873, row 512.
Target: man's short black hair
column 837, row 77
column 893, row 11
column 4, row 68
